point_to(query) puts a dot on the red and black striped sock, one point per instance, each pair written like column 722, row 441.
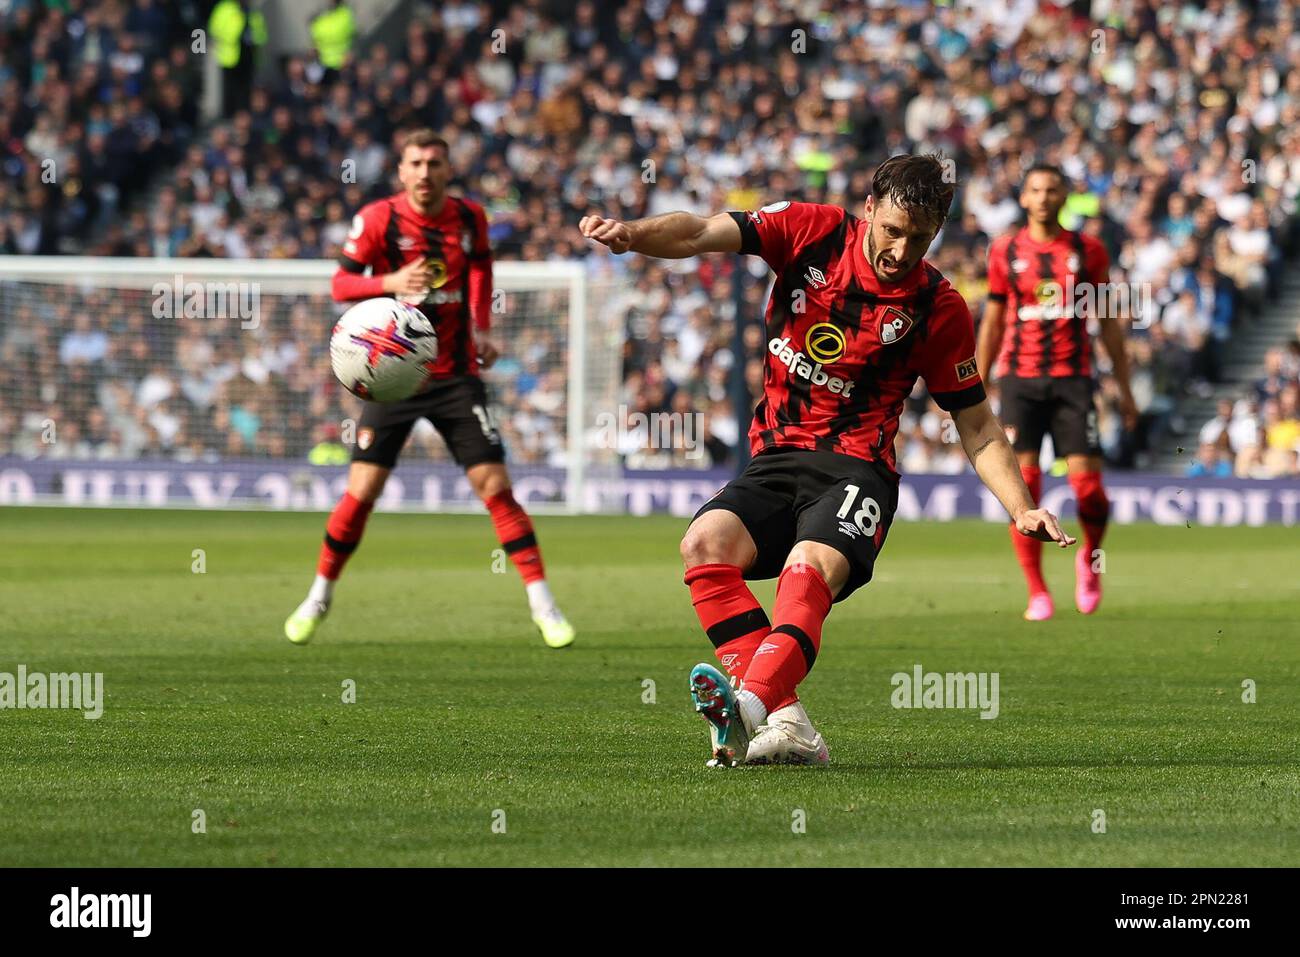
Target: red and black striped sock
column 515, row 533
column 732, row 617
column 803, row 600
column 342, row 535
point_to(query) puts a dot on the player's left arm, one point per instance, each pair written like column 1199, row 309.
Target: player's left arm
column 952, row 375
column 994, row 461
column 993, row 325
column 480, row 290
column 1112, row 337
column 1112, row 340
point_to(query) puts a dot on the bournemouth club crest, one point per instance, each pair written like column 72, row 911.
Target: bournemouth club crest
column 894, row 324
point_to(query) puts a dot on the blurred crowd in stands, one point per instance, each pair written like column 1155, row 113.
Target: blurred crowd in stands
column 1258, row 434
column 1177, row 124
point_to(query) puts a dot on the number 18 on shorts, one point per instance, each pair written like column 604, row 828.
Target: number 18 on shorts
column 797, row 495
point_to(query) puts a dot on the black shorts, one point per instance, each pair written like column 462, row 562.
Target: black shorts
column 1062, row 406
column 787, row 496
column 458, row 409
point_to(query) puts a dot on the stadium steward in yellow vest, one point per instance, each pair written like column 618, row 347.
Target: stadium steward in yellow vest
column 333, row 31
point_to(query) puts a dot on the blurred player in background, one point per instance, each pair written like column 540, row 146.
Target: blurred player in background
column 431, row 249
column 1041, row 279
column 855, row 317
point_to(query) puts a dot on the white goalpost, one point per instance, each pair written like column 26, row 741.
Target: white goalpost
column 206, row 382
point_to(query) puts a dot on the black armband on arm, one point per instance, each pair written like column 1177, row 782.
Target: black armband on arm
column 961, row 399
column 750, row 244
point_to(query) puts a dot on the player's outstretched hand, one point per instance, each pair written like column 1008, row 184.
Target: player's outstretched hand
column 611, row 232
column 1041, row 524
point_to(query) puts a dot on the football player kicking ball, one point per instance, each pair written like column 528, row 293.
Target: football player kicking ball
column 855, row 316
column 1043, row 278
column 428, row 248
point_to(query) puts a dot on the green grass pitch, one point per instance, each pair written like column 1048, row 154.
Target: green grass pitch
column 463, row 718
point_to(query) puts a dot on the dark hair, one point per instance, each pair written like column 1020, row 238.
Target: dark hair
column 422, row 137
column 924, row 183
column 1044, row 168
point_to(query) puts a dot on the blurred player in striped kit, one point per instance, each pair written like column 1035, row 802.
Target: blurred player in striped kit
column 430, row 249
column 1042, row 280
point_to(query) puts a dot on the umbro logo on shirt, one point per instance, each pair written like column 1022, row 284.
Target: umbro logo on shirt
column 815, row 277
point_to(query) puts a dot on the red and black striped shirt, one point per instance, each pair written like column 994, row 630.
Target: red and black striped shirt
column 844, row 350
column 388, row 233
column 1046, row 331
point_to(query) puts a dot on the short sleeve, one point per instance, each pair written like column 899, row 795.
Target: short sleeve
column 482, row 248
column 777, row 231
column 998, row 286
column 1096, row 261
column 360, row 247
column 948, row 361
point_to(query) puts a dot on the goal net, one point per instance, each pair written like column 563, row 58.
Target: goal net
column 207, row 382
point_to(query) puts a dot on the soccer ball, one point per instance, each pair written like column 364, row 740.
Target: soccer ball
column 383, row 350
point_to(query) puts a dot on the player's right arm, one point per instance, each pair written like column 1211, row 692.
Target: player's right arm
column 775, row 232
column 361, row 251
column 992, row 327
column 993, row 324
column 670, row 236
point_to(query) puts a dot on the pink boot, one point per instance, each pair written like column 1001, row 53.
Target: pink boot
column 1040, row 607
column 1087, row 583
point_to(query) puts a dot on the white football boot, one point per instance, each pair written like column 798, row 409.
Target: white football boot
column 788, row 737
column 550, row 621
column 555, row 628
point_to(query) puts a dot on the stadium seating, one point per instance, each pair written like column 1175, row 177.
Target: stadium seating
column 635, row 109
